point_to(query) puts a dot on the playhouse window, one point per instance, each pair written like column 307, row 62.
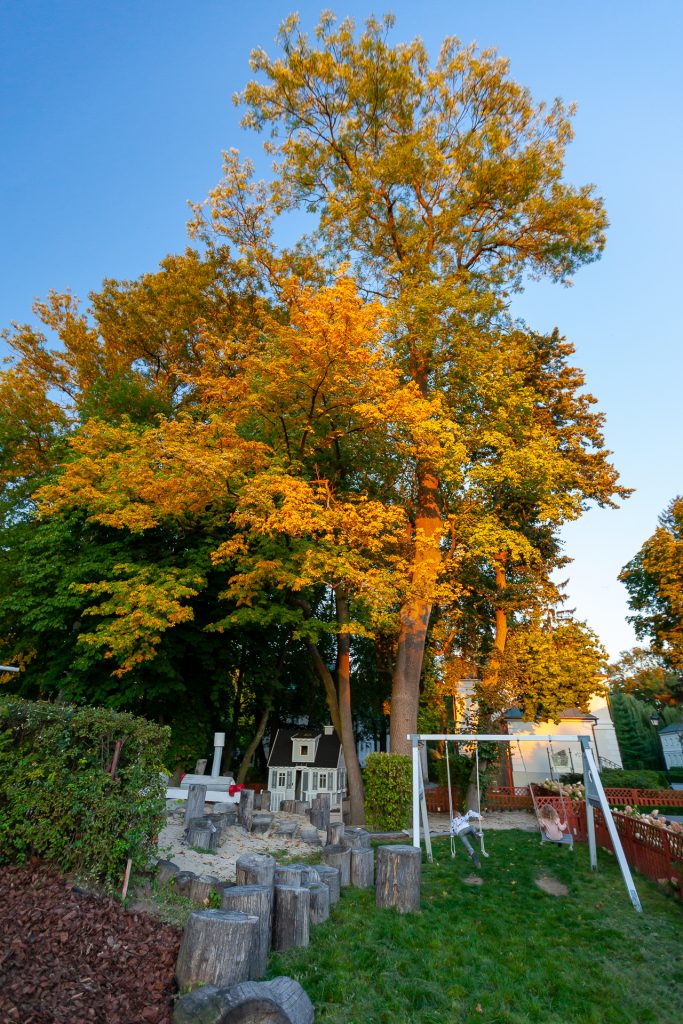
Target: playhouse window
column 322, row 780
column 281, row 779
column 304, row 750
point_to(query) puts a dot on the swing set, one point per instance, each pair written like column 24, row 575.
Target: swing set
column 552, row 828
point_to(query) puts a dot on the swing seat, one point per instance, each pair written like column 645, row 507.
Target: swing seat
column 565, row 840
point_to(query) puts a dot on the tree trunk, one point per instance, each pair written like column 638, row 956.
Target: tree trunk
column 251, row 749
column 398, row 878
column 353, row 771
column 415, row 613
column 256, row 900
column 291, row 917
column 218, row 947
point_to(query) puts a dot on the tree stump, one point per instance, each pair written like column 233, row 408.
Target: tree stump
column 309, row 834
column 355, row 839
column 194, row 807
column 286, row 828
column 398, row 878
column 288, row 806
column 309, row 874
column 320, row 811
column 261, row 823
column 362, row 868
column 219, row 947
column 280, row 1001
column 320, row 902
column 339, row 857
column 201, row 887
column 182, row 881
column 330, row 877
column 246, row 808
column 165, row 871
column 335, row 831
column 291, row 911
column 255, row 869
column 288, row 874
column 203, row 837
column 300, row 806
column 256, row 900
column 265, row 799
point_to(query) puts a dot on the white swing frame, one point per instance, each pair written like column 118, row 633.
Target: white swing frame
column 595, row 794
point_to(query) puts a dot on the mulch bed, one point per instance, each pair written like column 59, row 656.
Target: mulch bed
column 71, row 956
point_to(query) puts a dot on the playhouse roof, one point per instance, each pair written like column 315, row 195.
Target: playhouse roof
column 673, row 727
column 327, row 753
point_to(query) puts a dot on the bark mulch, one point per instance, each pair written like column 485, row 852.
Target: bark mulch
column 70, row 956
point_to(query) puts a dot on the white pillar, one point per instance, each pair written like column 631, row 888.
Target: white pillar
column 218, row 744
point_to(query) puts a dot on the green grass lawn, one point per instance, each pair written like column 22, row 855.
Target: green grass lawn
column 501, row 953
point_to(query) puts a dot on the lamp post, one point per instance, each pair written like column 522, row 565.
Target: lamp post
column 8, row 668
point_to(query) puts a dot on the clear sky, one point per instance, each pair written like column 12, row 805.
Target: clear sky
column 114, row 114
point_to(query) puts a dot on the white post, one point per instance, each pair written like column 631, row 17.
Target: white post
column 416, row 791
column 218, row 744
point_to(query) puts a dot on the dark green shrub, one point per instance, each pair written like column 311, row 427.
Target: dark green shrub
column 388, row 792
column 59, row 802
column 633, row 779
column 675, row 774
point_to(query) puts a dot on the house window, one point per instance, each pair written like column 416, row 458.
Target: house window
column 273, row 779
column 322, row 780
column 281, row 780
column 315, row 781
column 304, row 750
column 289, row 780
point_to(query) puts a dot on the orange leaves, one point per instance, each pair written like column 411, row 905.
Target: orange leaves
column 130, row 478
column 136, row 608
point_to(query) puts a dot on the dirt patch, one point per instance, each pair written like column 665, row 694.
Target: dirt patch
column 473, row 880
column 552, row 886
column 70, row 956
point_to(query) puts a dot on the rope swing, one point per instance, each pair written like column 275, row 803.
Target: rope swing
column 461, row 825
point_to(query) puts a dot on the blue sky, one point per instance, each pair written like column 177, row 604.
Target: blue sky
column 114, row 115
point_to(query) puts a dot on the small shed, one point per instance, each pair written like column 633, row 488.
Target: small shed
column 671, row 737
column 305, row 762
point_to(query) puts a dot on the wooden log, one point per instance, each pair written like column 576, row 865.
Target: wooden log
column 288, row 806
column 280, row 1001
column 203, row 837
column 165, row 871
column 265, row 799
column 339, row 857
column 286, row 828
column 320, row 811
column 291, row 911
column 246, row 809
column 362, row 868
column 398, row 878
column 196, row 798
column 200, row 766
column 182, row 881
column 261, row 823
column 288, row 874
column 310, row 835
column 355, row 839
column 320, row 902
column 300, row 806
column 309, row 874
column 335, row 831
column 330, row 877
column 218, row 947
column 255, row 869
column 258, row 901
column 201, row 887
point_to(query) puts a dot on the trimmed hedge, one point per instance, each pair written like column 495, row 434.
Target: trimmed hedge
column 633, row 778
column 58, row 800
column 388, row 792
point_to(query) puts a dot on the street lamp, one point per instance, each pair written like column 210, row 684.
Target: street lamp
column 654, row 719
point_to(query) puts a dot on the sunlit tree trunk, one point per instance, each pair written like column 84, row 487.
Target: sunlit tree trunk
column 251, row 749
column 415, row 615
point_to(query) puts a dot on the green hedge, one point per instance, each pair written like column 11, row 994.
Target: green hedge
column 388, row 792
column 635, row 778
column 57, row 799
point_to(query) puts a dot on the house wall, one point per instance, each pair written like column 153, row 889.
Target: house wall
column 672, row 749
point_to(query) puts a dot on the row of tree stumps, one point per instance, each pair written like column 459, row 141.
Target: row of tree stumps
column 274, row 906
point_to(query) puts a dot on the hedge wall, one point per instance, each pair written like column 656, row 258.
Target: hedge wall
column 58, row 799
column 388, row 792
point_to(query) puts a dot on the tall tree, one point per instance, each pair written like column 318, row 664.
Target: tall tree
column 443, row 184
column 654, row 580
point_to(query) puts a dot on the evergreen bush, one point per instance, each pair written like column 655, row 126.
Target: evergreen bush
column 613, row 778
column 388, row 792
column 57, row 798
